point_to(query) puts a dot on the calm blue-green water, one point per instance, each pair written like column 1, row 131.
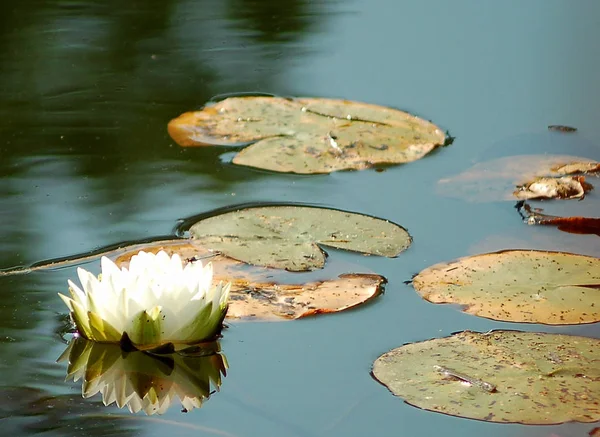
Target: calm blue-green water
column 86, row 91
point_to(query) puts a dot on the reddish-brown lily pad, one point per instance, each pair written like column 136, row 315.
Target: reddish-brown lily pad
column 502, row 376
column 255, row 296
column 573, row 225
column 527, row 286
column 308, row 135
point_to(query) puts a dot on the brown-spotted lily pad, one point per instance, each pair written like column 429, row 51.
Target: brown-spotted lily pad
column 497, row 179
column 308, row 135
column 566, row 187
column 526, row 286
column 269, row 301
column 288, row 237
column 256, row 296
column 501, row 376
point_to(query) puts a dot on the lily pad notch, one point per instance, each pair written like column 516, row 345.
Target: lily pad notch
column 309, row 135
column 290, row 237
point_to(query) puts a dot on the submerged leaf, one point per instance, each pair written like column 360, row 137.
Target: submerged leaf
column 526, row 286
column 287, row 237
column 501, row 376
column 258, row 293
column 309, row 135
column 496, row 179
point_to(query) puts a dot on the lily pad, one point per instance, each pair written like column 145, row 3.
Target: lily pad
column 270, row 301
column 501, row 376
column 497, row 179
column 255, row 295
column 288, row 237
column 308, row 135
column 527, row 286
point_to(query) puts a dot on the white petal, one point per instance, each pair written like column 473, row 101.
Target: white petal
column 109, row 268
column 87, row 279
column 226, row 289
column 176, row 264
column 78, row 294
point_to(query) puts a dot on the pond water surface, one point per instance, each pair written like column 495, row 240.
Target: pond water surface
column 87, row 89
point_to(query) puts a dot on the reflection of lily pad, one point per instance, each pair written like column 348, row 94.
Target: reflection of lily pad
column 255, row 295
column 497, row 179
column 502, row 376
column 143, row 381
column 518, row 286
column 307, row 135
column 287, row 237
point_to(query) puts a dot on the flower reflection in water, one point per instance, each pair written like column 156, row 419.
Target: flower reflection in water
column 145, row 381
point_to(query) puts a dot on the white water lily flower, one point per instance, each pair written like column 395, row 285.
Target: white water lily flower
column 155, row 302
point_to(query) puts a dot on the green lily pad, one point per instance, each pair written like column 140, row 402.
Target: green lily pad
column 501, row 376
column 308, row 135
column 288, row 237
column 527, row 286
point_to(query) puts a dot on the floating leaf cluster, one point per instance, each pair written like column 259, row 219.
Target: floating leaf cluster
column 499, row 376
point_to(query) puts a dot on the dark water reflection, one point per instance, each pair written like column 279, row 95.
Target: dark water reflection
column 86, row 91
